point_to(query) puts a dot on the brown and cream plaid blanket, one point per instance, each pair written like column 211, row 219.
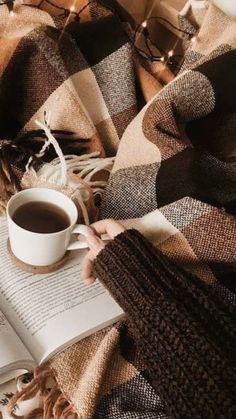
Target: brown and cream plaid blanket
column 81, row 76
column 179, row 155
column 174, row 179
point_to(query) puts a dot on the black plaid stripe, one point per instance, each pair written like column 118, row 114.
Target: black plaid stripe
column 135, row 399
column 220, row 72
column 135, row 187
column 40, row 60
column 34, row 72
column 197, row 174
column 108, row 34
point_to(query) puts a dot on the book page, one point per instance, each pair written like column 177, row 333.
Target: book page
column 13, row 354
column 50, row 311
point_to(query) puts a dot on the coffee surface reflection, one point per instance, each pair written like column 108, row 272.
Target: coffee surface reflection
column 41, row 217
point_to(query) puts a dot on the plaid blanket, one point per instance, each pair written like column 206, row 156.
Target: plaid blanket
column 80, row 77
column 179, row 155
column 174, row 179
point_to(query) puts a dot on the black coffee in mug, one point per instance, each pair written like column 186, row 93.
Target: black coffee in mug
column 41, row 217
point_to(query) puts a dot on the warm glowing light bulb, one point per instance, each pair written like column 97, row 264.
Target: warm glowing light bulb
column 194, row 39
column 144, row 24
column 11, row 14
column 162, row 59
column 171, row 53
column 72, row 9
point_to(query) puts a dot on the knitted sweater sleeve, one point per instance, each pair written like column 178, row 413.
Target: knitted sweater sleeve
column 185, row 332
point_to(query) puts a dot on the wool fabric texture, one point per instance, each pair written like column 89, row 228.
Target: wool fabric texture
column 185, row 332
column 174, row 181
column 48, row 65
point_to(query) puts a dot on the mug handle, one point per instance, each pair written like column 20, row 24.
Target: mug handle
column 85, row 231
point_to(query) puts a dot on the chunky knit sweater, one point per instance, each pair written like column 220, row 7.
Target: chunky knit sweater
column 185, row 332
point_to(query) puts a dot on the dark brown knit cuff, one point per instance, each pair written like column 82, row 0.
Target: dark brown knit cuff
column 120, row 268
column 139, row 276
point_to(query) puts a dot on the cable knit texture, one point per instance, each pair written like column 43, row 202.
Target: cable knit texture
column 186, row 335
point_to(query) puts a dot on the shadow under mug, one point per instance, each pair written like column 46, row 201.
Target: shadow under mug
column 41, row 249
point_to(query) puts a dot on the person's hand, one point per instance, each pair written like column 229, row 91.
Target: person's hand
column 109, row 227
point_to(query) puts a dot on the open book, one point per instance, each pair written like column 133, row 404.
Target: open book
column 42, row 314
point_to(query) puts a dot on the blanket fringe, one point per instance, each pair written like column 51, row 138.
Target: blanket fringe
column 54, row 405
column 60, row 405
column 35, row 414
column 9, row 183
column 49, row 402
column 71, row 174
column 82, row 177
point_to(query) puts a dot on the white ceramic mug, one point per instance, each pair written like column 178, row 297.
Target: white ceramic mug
column 41, row 249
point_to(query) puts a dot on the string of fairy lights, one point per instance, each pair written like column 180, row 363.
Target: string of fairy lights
column 141, row 28
column 164, row 57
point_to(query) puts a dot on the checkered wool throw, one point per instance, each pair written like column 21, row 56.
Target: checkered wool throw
column 79, row 76
column 179, row 155
column 174, row 179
